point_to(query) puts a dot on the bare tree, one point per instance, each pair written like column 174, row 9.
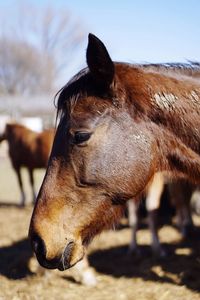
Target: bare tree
column 23, row 69
column 37, row 48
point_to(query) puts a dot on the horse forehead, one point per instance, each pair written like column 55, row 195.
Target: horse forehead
column 88, row 107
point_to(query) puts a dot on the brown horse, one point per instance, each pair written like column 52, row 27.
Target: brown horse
column 119, row 125
column 27, row 149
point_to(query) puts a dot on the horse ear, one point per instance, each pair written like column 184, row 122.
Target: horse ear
column 99, row 62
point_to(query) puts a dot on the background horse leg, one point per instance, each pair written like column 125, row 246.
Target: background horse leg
column 22, row 201
column 133, row 224
column 31, row 179
column 180, row 195
column 154, row 192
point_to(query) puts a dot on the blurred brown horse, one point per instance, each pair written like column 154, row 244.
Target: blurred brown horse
column 119, row 125
column 28, row 149
column 179, row 195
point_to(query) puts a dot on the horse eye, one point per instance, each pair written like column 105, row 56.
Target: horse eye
column 80, row 137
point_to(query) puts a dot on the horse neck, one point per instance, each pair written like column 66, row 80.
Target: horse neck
column 171, row 102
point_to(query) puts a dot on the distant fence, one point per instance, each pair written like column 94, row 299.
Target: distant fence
column 18, row 107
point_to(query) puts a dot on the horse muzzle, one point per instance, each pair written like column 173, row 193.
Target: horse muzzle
column 65, row 260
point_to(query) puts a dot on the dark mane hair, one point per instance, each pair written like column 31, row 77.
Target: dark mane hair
column 82, row 84
column 76, row 86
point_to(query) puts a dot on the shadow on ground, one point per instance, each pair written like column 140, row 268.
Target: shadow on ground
column 14, row 259
column 177, row 268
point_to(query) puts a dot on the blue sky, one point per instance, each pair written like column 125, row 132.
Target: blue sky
column 137, row 30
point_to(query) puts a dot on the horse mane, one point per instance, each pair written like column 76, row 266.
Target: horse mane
column 67, row 96
column 80, row 85
column 189, row 70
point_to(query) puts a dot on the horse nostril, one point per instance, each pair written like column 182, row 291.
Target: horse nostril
column 66, row 257
column 68, row 250
column 38, row 246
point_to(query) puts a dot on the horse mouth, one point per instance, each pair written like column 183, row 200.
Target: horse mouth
column 63, row 259
column 48, row 264
column 70, row 256
column 62, row 266
column 66, row 265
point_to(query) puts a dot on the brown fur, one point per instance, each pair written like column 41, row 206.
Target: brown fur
column 119, row 125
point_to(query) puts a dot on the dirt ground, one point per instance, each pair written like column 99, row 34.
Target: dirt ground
column 119, row 276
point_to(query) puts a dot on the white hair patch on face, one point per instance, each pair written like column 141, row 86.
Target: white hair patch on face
column 165, row 100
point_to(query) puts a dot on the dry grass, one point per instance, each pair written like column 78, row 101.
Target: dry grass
column 119, row 276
